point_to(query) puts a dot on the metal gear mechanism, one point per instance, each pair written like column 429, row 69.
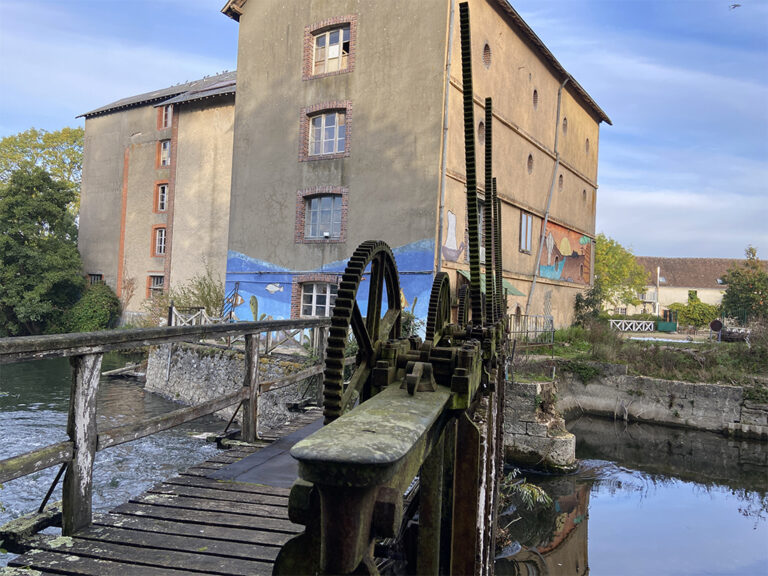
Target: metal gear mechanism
column 369, row 327
column 439, row 314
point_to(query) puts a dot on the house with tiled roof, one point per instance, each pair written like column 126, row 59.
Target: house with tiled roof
column 672, row 279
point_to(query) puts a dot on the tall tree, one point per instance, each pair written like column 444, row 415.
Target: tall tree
column 620, row 277
column 746, row 296
column 40, row 267
column 59, row 153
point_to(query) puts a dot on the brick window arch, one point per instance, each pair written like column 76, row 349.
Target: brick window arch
column 321, row 215
column 329, row 47
column 313, row 295
column 325, row 131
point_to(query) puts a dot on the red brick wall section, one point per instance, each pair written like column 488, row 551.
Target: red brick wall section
column 310, row 31
column 338, row 105
column 300, row 279
column 301, row 203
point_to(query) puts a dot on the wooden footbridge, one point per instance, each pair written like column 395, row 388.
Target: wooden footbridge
column 402, row 477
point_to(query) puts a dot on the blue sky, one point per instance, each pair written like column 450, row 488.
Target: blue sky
column 683, row 171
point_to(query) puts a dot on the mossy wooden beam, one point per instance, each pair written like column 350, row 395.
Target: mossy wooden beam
column 34, row 461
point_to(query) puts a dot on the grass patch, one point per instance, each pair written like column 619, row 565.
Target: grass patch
column 736, row 363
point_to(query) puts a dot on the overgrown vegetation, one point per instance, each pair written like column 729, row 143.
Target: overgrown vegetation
column 203, row 290
column 695, row 313
column 746, row 297
column 98, row 309
column 729, row 363
column 527, row 514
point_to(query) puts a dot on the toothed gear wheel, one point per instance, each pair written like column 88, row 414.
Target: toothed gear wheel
column 439, row 314
column 369, row 328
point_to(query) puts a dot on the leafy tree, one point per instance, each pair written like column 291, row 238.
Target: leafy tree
column 40, row 268
column 60, row 153
column 620, row 276
column 747, row 291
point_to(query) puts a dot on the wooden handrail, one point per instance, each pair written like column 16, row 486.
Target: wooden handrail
column 26, row 348
column 136, row 430
column 85, row 352
column 34, row 461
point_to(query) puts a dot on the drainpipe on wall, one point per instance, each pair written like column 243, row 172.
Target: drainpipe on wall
column 444, row 150
column 549, row 198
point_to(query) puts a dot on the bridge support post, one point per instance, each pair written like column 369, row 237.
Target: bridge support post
column 251, row 381
column 430, row 511
column 77, row 489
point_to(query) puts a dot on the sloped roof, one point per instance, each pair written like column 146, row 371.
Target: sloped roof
column 212, row 86
column 163, row 95
column 542, row 49
column 689, row 272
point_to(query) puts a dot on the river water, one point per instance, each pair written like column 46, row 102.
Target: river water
column 646, row 500
column 34, row 400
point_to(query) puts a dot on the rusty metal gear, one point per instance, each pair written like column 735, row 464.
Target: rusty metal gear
column 439, row 314
column 369, row 329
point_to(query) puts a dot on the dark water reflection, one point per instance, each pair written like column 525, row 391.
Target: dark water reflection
column 34, row 400
column 648, row 500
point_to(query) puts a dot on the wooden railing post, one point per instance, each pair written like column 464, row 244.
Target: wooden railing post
column 430, row 511
column 81, row 427
column 251, row 381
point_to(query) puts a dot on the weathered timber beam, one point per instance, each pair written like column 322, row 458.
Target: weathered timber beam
column 34, row 461
column 77, row 489
column 15, row 535
column 129, row 432
column 373, row 450
column 367, row 446
column 25, row 348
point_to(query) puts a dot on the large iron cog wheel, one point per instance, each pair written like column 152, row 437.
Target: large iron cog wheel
column 370, row 327
column 439, row 314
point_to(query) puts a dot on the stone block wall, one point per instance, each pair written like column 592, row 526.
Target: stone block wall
column 193, row 374
column 532, row 436
column 701, row 406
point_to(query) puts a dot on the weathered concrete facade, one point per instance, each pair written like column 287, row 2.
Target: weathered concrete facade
column 400, row 175
column 156, row 176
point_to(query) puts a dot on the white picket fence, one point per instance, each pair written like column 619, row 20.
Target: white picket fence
column 633, row 325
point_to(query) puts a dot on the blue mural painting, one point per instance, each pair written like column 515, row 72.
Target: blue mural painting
column 272, row 285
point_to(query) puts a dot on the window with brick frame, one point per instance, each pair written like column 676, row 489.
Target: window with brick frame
column 158, row 240
column 164, row 116
column 317, row 298
column 324, row 132
column 321, row 214
column 164, row 153
column 161, row 197
column 155, row 285
column 329, row 47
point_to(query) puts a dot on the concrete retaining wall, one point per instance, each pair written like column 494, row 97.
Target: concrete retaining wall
column 193, row 374
column 713, row 407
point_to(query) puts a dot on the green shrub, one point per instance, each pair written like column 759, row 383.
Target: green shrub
column 97, row 309
column 695, row 313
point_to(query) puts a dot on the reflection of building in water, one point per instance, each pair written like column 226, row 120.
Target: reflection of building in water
column 553, row 542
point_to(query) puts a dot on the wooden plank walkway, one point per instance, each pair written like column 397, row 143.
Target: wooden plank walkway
column 189, row 524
